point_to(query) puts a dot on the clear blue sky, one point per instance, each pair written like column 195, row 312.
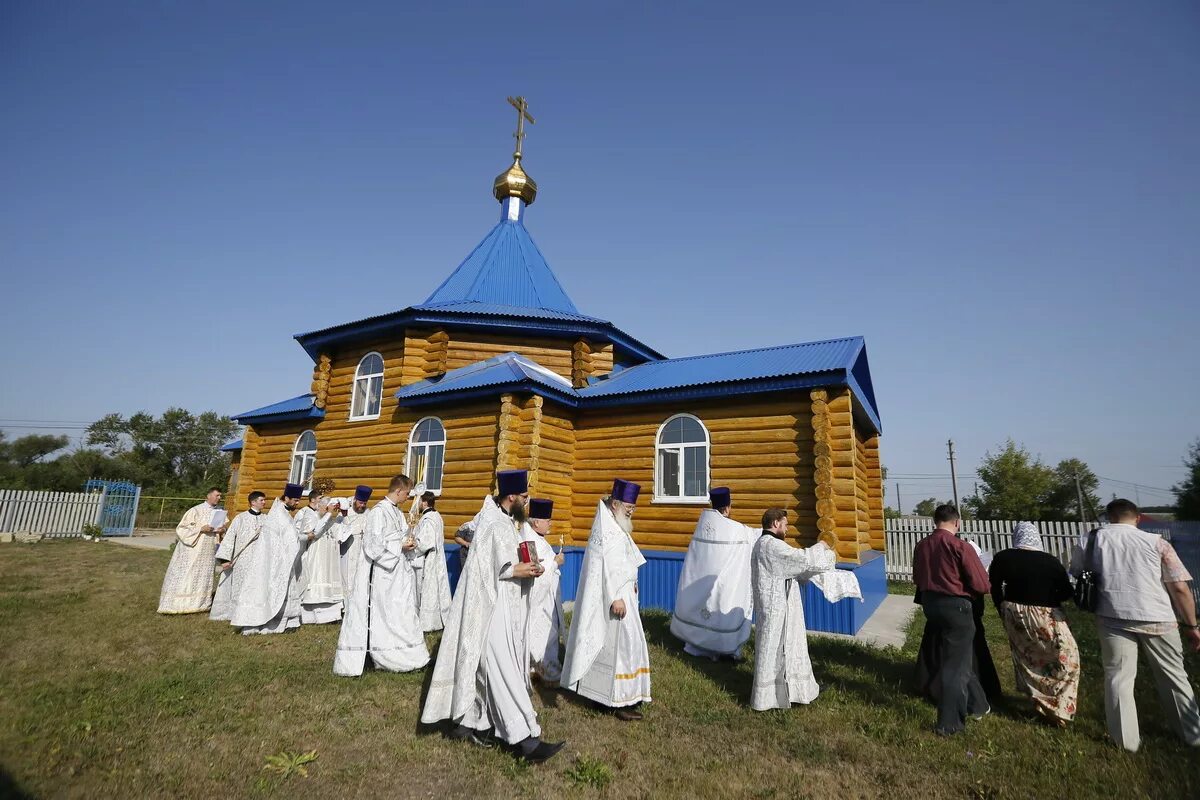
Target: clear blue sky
column 1002, row 198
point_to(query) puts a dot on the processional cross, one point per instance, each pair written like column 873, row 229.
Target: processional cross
column 522, row 107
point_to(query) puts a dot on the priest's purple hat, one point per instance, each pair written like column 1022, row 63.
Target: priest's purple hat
column 362, row 493
column 512, row 481
column 293, row 490
column 540, row 508
column 719, row 497
column 625, row 491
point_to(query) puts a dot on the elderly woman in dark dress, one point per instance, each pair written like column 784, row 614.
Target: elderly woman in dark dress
column 1028, row 588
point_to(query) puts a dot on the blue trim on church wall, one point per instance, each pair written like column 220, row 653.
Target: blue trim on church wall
column 658, row 580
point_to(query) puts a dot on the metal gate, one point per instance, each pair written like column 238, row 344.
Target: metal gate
column 120, row 505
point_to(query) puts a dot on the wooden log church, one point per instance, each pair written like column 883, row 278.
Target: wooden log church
column 499, row 369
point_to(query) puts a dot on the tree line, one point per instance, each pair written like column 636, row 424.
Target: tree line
column 1014, row 484
column 177, row 453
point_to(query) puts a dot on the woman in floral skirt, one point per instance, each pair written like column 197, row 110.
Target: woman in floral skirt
column 1028, row 587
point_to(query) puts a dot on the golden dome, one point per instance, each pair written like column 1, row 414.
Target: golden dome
column 513, row 182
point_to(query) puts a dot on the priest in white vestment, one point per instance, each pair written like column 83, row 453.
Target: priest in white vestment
column 320, row 564
column 188, row 585
column 783, row 673
column 607, row 660
column 428, row 560
column 349, row 535
column 481, row 678
column 266, row 600
column 381, row 615
column 546, row 622
column 243, row 532
column 713, row 604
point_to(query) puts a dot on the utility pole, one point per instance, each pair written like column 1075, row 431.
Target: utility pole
column 953, row 476
column 1079, row 496
column 899, row 505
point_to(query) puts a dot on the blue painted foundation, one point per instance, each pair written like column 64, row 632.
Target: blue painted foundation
column 659, row 577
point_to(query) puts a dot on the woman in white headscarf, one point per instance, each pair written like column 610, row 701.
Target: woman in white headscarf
column 1028, row 587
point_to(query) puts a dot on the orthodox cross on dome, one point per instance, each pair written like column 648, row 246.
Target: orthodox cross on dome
column 513, row 187
column 522, row 107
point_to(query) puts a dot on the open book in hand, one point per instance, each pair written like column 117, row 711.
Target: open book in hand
column 218, row 518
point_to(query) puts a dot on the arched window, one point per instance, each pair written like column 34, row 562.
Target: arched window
column 427, row 454
column 681, row 460
column 368, row 388
column 304, row 458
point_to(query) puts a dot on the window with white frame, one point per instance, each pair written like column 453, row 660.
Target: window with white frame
column 427, row 454
column 681, row 460
column 368, row 388
column 304, row 459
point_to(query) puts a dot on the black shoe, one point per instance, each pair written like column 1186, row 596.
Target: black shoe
column 628, row 714
column 543, row 752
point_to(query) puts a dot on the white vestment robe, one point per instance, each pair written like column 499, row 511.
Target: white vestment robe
column 266, row 600
column 242, row 533
column 607, row 659
column 481, row 678
column 320, row 569
column 381, row 616
column 429, row 566
column 546, row 622
column 782, row 670
column 713, row 604
column 349, row 535
column 188, row 585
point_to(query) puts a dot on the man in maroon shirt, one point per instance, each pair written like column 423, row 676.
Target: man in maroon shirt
column 948, row 572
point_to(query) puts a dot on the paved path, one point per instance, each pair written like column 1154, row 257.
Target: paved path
column 887, row 626
column 156, row 540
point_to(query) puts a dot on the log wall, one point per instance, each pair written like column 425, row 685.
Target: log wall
column 550, row 431
column 762, row 450
column 235, row 475
column 799, row 452
column 468, row 347
column 372, row 452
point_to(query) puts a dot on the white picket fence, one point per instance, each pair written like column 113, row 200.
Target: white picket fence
column 54, row 513
column 991, row 535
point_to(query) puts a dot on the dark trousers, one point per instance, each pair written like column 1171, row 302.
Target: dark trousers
column 950, row 623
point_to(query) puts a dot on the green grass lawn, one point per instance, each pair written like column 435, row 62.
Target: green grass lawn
column 101, row 696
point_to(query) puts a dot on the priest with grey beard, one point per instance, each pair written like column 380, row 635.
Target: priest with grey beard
column 607, row 660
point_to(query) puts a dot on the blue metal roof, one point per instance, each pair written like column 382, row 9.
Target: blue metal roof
column 827, row 363
column 230, row 447
column 505, row 269
column 766, row 362
column 837, row 362
column 299, row 407
column 497, row 309
column 508, row 370
column 502, row 284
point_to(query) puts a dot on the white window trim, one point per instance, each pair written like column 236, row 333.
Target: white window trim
column 292, row 462
column 354, row 387
column 682, row 500
column 409, row 450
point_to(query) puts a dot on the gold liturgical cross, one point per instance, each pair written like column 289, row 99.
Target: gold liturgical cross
column 522, row 107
